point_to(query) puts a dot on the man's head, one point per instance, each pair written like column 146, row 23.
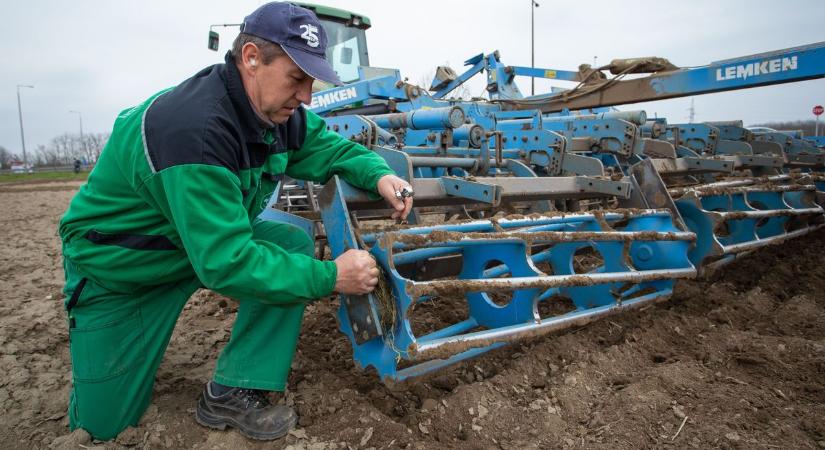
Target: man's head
column 280, row 51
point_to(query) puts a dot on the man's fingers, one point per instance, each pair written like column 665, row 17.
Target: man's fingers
column 407, row 207
column 367, row 258
column 400, row 198
column 365, row 290
column 358, row 272
column 396, row 203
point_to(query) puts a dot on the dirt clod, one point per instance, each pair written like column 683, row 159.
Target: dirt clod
column 72, row 440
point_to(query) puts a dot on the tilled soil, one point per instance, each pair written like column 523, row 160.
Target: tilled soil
column 733, row 362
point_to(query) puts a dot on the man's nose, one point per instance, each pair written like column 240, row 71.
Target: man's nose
column 304, row 94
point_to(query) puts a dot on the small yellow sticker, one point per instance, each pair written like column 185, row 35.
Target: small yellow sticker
column 549, row 74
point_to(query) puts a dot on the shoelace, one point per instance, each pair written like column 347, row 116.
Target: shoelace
column 254, row 398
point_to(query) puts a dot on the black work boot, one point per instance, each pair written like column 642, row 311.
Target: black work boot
column 248, row 410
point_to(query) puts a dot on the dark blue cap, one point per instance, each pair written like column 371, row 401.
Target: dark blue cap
column 300, row 34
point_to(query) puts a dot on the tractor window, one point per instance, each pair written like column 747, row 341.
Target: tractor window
column 346, row 49
column 345, row 59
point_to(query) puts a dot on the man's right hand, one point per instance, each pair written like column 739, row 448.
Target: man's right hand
column 357, row 272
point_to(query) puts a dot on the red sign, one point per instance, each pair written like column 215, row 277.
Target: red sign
column 818, row 110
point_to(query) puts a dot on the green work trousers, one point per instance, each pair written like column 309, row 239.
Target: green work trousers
column 117, row 341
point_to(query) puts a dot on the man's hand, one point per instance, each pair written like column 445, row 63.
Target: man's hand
column 390, row 187
column 357, row 273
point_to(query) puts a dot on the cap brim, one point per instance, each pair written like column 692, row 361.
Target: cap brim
column 313, row 65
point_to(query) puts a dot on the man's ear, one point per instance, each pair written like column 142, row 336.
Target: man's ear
column 250, row 56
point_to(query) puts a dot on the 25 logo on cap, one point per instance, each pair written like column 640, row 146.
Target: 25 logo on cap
column 310, row 35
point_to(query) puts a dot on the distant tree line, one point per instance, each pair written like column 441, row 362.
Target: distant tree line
column 807, row 126
column 62, row 150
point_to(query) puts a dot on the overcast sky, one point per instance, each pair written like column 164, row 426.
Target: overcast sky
column 99, row 57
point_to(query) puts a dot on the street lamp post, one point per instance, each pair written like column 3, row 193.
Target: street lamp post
column 533, row 5
column 82, row 141
column 22, row 136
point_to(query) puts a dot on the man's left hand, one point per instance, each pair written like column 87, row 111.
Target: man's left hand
column 390, row 187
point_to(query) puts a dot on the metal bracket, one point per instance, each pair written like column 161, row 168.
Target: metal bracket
column 653, row 190
column 398, row 161
column 691, row 165
column 361, row 310
column 482, row 192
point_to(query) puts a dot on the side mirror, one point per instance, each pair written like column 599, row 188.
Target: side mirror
column 214, row 40
column 346, row 55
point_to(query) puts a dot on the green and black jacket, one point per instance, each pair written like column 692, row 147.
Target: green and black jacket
column 182, row 179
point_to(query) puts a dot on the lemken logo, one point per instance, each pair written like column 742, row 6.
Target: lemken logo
column 323, row 100
column 756, row 68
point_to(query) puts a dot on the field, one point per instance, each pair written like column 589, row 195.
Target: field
column 737, row 361
column 40, row 177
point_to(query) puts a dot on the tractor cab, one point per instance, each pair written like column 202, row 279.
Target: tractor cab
column 347, row 40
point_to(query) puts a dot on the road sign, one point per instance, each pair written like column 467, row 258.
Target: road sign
column 818, row 110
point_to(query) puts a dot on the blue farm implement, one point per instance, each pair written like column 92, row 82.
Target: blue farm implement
column 498, row 280
column 510, row 277
column 734, row 217
column 540, row 213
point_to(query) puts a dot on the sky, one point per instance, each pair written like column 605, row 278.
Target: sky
column 99, row 57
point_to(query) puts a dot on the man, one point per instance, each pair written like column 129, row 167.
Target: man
column 171, row 206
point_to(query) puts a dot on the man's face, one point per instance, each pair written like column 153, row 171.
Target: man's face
column 278, row 88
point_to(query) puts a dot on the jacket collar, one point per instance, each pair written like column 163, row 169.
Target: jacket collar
column 251, row 125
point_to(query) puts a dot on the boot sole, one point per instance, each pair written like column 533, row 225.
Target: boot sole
column 220, row 423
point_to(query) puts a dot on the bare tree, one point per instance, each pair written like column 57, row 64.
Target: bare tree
column 6, row 157
column 39, row 159
column 64, row 149
column 94, row 144
column 47, row 156
column 63, row 146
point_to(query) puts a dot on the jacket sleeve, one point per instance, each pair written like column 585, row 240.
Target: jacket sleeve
column 325, row 153
column 205, row 204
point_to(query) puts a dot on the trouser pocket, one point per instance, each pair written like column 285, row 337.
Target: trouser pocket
column 73, row 300
column 102, row 352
